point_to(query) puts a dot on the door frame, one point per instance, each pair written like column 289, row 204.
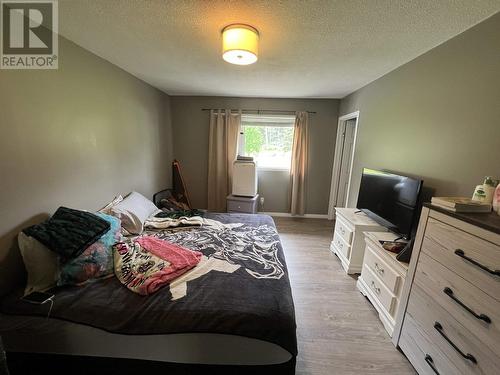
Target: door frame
column 337, row 162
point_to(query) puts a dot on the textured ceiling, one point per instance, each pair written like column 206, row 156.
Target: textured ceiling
column 322, row 48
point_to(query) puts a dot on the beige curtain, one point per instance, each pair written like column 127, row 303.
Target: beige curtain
column 299, row 164
column 222, row 149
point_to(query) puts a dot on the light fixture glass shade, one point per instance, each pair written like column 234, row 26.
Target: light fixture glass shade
column 240, row 44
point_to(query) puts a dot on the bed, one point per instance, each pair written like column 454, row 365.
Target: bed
column 236, row 311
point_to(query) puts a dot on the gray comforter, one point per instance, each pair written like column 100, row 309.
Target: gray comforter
column 243, row 290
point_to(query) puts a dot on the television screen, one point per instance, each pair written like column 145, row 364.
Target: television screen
column 390, row 199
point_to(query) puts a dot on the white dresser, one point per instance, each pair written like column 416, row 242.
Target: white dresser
column 382, row 278
column 450, row 322
column 348, row 239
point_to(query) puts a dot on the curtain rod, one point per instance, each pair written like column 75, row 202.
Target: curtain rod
column 257, row 110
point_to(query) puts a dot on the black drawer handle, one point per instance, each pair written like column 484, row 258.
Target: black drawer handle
column 467, row 356
column 482, row 317
column 461, row 254
column 430, row 362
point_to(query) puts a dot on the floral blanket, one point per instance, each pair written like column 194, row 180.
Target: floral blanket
column 146, row 264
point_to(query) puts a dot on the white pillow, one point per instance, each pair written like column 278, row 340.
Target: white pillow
column 41, row 264
column 133, row 211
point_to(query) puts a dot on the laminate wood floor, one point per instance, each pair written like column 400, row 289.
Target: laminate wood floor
column 338, row 330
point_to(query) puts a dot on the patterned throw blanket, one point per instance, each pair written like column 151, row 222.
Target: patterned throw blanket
column 217, row 247
column 146, row 264
column 226, row 247
column 253, row 248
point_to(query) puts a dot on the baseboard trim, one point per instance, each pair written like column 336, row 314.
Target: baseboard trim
column 316, row 216
column 287, row 214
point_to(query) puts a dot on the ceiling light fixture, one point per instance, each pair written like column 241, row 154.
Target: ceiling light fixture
column 240, row 44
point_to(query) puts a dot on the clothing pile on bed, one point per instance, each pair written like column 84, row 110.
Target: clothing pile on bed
column 147, row 264
column 74, row 247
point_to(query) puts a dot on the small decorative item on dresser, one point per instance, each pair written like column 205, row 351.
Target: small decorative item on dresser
column 484, row 193
column 489, row 187
column 393, row 246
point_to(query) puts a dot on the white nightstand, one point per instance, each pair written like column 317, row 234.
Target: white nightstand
column 348, row 240
column 246, row 205
column 382, row 278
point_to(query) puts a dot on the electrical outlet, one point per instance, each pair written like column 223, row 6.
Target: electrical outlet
column 261, row 201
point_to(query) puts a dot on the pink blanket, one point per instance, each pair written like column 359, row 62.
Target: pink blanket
column 148, row 263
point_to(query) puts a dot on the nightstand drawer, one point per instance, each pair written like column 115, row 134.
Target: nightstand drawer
column 341, row 246
column 379, row 290
column 388, row 276
column 240, row 206
column 343, row 230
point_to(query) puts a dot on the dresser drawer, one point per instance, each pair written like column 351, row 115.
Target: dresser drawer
column 388, row 276
column 343, row 230
column 449, row 246
column 422, row 353
column 449, row 336
column 341, row 246
column 239, row 206
column 466, row 303
column 384, row 295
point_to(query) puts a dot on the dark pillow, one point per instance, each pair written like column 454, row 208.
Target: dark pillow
column 69, row 232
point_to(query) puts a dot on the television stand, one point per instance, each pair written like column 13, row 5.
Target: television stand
column 348, row 240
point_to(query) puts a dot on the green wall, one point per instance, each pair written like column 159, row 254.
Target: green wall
column 437, row 116
column 76, row 137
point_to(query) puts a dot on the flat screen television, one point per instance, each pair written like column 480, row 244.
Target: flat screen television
column 390, row 199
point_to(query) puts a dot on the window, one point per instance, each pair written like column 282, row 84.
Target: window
column 268, row 139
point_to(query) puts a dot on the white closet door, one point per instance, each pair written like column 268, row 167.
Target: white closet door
column 345, row 164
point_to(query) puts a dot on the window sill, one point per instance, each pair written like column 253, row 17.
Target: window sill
column 273, row 169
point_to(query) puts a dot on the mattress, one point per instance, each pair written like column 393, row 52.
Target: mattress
column 240, row 312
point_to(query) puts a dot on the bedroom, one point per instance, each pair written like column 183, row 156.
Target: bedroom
column 132, row 91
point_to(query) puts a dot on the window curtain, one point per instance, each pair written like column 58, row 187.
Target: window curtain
column 223, row 146
column 299, row 164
